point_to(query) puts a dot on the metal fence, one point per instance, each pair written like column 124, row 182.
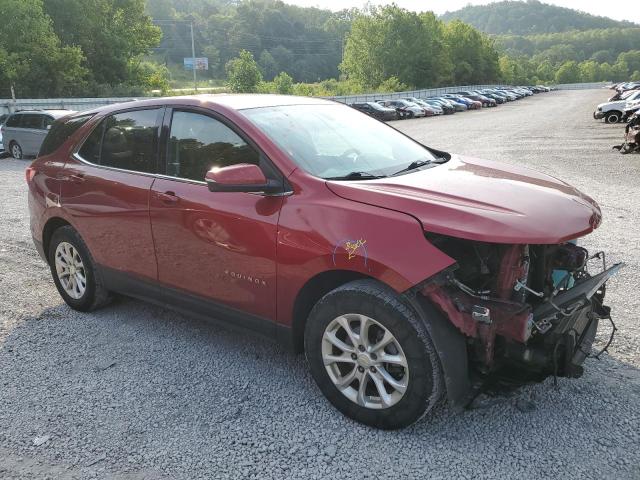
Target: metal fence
column 79, row 104
column 582, row 86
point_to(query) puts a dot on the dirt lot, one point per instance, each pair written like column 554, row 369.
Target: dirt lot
column 134, row 391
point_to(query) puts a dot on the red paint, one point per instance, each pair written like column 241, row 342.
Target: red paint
column 511, row 269
column 218, row 245
column 29, row 173
column 255, row 253
column 242, row 174
column 483, row 200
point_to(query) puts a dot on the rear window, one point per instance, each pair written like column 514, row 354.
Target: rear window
column 60, row 131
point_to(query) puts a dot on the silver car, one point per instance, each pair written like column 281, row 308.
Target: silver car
column 3, row 118
column 24, row 131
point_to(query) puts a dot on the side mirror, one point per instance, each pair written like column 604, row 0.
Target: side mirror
column 243, row 177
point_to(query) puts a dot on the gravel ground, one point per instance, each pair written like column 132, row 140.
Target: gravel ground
column 138, row 392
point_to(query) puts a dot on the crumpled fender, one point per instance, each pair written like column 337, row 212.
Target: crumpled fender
column 322, row 233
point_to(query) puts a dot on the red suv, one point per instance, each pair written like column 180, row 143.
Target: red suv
column 404, row 273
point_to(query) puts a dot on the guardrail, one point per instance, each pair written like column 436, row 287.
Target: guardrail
column 582, row 86
column 79, row 104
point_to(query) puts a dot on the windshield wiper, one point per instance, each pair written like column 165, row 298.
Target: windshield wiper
column 356, row 176
column 412, row 166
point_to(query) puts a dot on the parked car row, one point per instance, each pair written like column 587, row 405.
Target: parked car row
column 22, row 132
column 447, row 104
column 623, row 106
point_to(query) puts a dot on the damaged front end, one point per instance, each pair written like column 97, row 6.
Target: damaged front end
column 527, row 311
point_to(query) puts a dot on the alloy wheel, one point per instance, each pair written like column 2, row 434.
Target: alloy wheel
column 70, row 270
column 365, row 361
column 16, row 151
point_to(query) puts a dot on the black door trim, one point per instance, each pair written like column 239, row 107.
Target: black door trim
column 187, row 303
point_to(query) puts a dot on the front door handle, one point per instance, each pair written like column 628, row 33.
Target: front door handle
column 168, row 198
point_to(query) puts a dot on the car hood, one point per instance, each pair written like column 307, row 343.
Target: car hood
column 615, row 103
column 482, row 200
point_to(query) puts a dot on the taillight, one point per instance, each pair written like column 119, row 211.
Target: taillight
column 29, row 173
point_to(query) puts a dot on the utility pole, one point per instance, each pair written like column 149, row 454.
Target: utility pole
column 13, row 98
column 193, row 56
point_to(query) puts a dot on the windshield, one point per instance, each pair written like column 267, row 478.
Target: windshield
column 334, row 141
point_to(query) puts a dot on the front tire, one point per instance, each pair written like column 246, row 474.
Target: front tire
column 372, row 356
column 74, row 271
column 613, row 117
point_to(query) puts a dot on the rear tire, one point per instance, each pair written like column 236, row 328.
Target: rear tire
column 16, row 150
column 74, row 272
column 613, row 117
column 396, row 393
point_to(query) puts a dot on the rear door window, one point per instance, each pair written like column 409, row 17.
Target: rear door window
column 126, row 140
column 130, row 141
column 60, row 131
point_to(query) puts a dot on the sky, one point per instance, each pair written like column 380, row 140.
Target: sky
column 617, row 9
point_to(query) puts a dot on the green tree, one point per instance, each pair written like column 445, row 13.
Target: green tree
column 391, row 41
column 268, row 65
column 243, row 73
column 392, row 84
column 283, row 83
column 529, row 17
column 631, row 59
column 112, row 34
column 545, row 71
column 474, row 58
column 31, row 55
column 589, row 71
column 150, row 76
column 569, row 72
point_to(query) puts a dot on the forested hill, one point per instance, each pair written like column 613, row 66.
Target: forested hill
column 530, row 17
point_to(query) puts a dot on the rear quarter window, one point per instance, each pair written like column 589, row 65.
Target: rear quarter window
column 60, row 131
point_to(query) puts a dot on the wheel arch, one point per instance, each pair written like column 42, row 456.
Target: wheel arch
column 613, row 112
column 51, row 226
column 312, row 291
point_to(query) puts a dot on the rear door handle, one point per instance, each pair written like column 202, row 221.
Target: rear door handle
column 168, row 198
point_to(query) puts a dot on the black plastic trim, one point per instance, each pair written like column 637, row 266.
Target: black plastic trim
column 192, row 305
column 452, row 350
